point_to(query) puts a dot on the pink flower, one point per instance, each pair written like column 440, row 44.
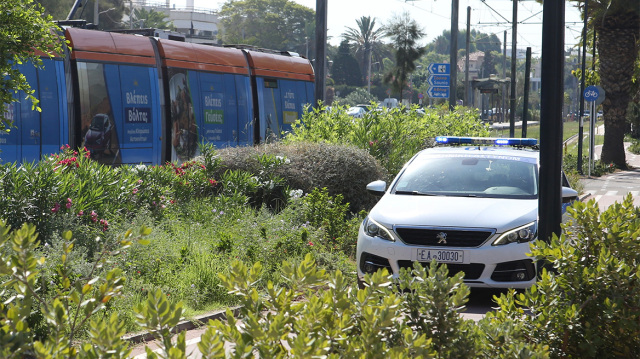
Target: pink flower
column 94, row 216
column 69, row 203
column 310, row 243
column 80, row 213
column 135, row 190
column 55, row 208
column 139, row 181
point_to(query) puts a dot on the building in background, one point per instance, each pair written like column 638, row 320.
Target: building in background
column 198, row 25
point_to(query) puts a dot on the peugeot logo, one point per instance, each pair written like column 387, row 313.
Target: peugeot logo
column 442, row 238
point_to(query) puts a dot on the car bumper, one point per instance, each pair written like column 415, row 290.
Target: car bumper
column 486, row 266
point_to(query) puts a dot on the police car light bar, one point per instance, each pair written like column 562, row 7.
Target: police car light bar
column 499, row 141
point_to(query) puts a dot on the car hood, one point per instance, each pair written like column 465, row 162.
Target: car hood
column 447, row 211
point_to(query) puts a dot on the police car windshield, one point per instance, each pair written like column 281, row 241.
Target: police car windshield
column 471, row 176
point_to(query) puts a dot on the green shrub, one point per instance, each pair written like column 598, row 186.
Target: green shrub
column 420, row 320
column 329, row 213
column 343, row 170
column 68, row 308
column 391, row 136
column 635, row 146
column 589, row 305
column 599, row 168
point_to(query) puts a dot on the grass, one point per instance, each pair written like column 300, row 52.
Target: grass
column 569, row 129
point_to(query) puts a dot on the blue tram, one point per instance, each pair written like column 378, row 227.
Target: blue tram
column 133, row 99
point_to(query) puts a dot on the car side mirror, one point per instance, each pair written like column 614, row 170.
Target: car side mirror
column 569, row 195
column 377, row 188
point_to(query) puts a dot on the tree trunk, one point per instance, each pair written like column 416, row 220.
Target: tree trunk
column 617, row 53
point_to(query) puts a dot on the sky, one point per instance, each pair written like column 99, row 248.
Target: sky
column 489, row 16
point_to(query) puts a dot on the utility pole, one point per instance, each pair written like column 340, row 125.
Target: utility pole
column 551, row 96
column 525, row 105
column 504, row 76
column 321, row 49
column 582, row 83
column 512, row 104
column 466, row 60
column 453, row 58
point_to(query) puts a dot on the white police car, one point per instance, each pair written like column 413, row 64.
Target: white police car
column 472, row 204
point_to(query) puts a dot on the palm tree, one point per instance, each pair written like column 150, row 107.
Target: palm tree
column 405, row 34
column 617, row 26
column 365, row 38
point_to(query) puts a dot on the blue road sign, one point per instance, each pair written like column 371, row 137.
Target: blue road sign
column 439, row 69
column 438, row 92
column 591, row 93
column 438, row 80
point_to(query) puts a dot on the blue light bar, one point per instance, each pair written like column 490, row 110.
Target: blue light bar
column 498, row 141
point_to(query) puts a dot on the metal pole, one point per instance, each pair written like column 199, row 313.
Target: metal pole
column 551, row 95
column 512, row 102
column 321, row 49
column 504, row 77
column 453, row 58
column 582, row 86
column 466, row 60
column 525, row 105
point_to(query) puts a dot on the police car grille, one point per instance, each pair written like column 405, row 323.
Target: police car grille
column 433, row 237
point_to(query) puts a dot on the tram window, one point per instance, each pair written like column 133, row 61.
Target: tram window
column 270, row 83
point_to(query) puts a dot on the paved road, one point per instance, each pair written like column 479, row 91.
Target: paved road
column 614, row 187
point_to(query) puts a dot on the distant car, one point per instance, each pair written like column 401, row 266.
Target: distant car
column 469, row 205
column 356, row 111
column 98, row 137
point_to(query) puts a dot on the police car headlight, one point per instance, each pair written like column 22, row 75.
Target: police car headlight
column 375, row 229
column 523, row 234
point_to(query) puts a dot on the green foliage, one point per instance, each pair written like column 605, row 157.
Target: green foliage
column 599, row 168
column 391, row 136
column 345, row 68
column 273, row 24
column 367, row 43
column 144, row 18
column 308, row 165
column 414, row 316
column 24, row 29
column 635, row 147
column 405, row 34
column 158, row 316
column 356, row 97
column 587, row 306
column 321, row 210
column 66, row 309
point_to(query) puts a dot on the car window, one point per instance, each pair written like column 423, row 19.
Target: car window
column 484, row 176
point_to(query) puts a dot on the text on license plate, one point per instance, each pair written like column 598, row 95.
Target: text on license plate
column 446, row 256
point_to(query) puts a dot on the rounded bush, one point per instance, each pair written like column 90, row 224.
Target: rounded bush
column 341, row 169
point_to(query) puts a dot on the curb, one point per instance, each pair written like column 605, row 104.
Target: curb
column 196, row 322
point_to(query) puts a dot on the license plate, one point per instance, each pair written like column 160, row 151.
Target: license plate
column 443, row 256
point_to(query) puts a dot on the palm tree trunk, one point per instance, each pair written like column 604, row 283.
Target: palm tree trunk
column 617, row 49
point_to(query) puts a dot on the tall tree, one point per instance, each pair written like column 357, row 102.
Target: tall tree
column 365, row 36
column 58, row 9
column 24, row 29
column 617, row 26
column 405, row 34
column 345, row 69
column 151, row 19
column 273, row 24
column 109, row 11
